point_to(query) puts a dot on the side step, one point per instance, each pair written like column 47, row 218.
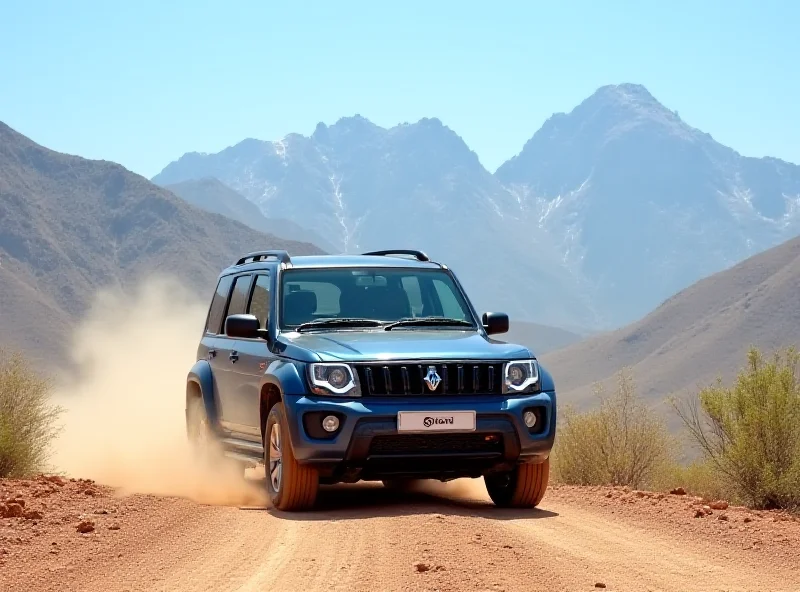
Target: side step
column 245, row 451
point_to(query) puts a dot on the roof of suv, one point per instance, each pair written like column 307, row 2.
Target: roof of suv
column 376, row 259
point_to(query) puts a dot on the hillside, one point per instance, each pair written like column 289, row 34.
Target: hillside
column 697, row 334
column 606, row 211
column 69, row 226
column 539, row 338
column 212, row 195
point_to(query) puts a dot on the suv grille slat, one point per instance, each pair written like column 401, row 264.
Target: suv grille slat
column 399, row 378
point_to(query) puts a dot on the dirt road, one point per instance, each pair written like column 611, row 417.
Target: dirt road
column 368, row 538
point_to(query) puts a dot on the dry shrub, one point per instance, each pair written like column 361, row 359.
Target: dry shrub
column 27, row 417
column 698, row 477
column 750, row 431
column 623, row 442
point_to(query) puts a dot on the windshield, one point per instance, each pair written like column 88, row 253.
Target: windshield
column 380, row 294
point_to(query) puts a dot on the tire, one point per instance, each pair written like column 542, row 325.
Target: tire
column 291, row 486
column 206, row 447
column 522, row 487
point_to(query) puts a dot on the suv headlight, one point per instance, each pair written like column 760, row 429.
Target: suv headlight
column 333, row 378
column 521, row 376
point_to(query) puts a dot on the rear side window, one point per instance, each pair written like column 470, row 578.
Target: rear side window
column 217, row 308
column 241, row 291
column 259, row 301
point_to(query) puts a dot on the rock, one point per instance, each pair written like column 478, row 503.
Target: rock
column 55, row 479
column 608, row 494
column 719, row 505
column 85, row 526
column 640, row 493
column 32, row 515
column 101, row 511
column 90, row 492
column 708, row 510
column 747, row 519
column 699, row 513
column 422, row 567
column 113, row 526
column 599, row 585
column 678, row 491
column 12, row 510
column 16, row 500
column 722, row 517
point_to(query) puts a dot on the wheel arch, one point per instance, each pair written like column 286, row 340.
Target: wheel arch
column 200, row 383
column 271, row 394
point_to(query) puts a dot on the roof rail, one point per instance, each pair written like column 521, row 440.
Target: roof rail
column 281, row 256
column 419, row 255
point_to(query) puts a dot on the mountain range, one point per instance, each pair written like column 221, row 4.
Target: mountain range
column 606, row 211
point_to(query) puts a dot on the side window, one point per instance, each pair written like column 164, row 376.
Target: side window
column 450, row 306
column 217, row 309
column 241, row 290
column 259, row 301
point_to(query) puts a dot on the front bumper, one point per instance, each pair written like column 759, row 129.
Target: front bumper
column 368, row 445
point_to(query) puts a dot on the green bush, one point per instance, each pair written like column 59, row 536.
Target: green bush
column 27, row 419
column 750, row 431
column 623, row 442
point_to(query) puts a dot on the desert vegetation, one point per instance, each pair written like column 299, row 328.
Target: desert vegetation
column 28, row 419
column 746, row 436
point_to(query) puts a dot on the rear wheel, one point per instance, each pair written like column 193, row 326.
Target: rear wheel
column 290, row 485
column 522, row 487
column 206, row 447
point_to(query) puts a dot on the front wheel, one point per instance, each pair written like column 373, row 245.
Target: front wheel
column 522, row 487
column 290, row 485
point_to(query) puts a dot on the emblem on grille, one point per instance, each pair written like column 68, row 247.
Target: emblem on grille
column 432, row 378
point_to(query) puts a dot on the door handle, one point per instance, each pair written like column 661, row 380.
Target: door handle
column 233, row 356
column 212, row 353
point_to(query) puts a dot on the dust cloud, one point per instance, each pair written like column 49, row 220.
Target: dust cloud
column 124, row 401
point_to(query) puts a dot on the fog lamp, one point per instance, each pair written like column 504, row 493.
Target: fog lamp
column 330, row 423
column 529, row 417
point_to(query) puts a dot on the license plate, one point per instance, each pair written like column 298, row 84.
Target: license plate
column 436, row 421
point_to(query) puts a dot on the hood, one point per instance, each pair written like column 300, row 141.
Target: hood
column 405, row 344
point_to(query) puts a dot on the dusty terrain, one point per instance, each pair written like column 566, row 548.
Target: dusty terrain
column 81, row 536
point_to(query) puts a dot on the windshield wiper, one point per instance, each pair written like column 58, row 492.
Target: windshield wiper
column 427, row 321
column 339, row 322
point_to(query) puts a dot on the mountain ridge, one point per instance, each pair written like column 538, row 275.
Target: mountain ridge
column 614, row 205
column 71, row 226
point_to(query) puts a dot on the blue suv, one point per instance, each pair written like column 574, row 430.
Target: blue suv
column 331, row 369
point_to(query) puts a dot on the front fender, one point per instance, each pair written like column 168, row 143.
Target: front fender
column 546, row 379
column 201, row 375
column 285, row 376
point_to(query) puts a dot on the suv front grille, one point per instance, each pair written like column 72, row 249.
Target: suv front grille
column 422, row 444
column 463, row 378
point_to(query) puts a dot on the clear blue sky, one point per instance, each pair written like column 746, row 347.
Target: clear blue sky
column 144, row 82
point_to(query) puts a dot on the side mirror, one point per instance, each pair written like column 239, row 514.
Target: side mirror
column 495, row 322
column 242, row 325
